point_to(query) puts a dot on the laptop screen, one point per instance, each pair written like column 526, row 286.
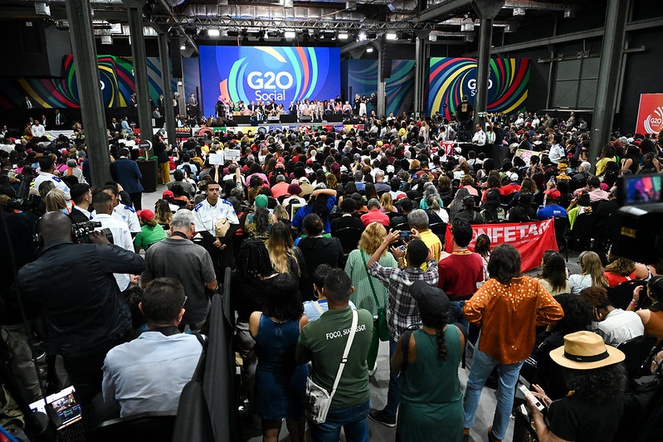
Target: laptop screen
column 65, row 405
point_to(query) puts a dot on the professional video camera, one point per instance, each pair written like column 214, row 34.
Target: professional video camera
column 640, row 233
column 81, row 232
column 23, row 199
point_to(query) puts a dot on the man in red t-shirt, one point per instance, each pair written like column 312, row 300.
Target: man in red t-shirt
column 460, row 272
column 374, row 215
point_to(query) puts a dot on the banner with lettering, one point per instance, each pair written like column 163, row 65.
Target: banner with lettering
column 650, row 114
column 531, row 239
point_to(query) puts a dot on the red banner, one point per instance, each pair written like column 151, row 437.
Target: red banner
column 531, row 239
column 650, row 114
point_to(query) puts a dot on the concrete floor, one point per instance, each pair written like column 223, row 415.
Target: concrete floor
column 380, row 381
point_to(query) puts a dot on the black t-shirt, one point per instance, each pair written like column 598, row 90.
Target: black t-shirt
column 576, row 419
column 465, row 111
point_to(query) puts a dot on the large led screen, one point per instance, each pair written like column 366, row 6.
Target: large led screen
column 284, row 74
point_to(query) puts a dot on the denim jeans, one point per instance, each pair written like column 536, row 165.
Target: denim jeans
column 354, row 421
column 482, row 365
column 395, row 384
column 456, row 314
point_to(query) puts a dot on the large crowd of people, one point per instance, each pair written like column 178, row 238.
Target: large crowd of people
column 330, row 235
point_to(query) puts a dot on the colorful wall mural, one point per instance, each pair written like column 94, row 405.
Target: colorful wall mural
column 451, row 78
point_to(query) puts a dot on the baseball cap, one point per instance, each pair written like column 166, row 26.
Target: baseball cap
column 553, row 194
column 168, row 194
column 145, row 214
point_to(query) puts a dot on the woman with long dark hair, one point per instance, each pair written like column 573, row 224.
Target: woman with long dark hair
column 317, row 250
column 280, row 382
column 431, row 399
column 252, row 281
column 553, row 276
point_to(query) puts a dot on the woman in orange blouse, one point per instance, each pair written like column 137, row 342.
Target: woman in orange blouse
column 507, row 308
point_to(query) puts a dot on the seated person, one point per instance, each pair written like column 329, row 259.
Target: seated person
column 614, row 325
column 149, row 373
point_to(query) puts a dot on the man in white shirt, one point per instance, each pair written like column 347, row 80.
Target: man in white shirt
column 556, row 150
column 149, row 373
column 121, row 211
column 46, row 169
column 479, row 137
column 206, row 215
column 103, row 204
column 38, row 129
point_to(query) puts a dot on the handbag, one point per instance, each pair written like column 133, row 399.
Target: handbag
column 221, row 227
column 318, row 399
column 380, row 326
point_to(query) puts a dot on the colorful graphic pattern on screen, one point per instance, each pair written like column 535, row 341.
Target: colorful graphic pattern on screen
column 282, row 74
column 115, row 77
column 363, row 78
column 451, row 78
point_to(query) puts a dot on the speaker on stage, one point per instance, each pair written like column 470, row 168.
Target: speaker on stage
column 385, row 58
column 288, row 118
column 334, row 118
column 273, row 119
column 242, row 119
column 305, row 119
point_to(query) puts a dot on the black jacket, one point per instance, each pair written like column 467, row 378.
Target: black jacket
column 79, row 298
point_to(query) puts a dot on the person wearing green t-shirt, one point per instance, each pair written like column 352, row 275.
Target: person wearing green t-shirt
column 150, row 232
column 323, row 343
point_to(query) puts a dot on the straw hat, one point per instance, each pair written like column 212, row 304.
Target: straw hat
column 585, row 350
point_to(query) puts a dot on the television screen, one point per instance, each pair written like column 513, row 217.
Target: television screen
column 263, row 73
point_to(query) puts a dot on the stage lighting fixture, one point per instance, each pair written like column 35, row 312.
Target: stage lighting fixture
column 369, row 49
column 183, row 47
column 351, row 5
column 518, row 11
column 391, row 36
column 106, row 40
column 290, row 35
column 213, row 32
column 361, row 36
column 343, row 35
column 288, row 3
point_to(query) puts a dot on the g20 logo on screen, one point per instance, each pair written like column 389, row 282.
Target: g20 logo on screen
column 654, row 121
column 472, row 85
column 269, row 85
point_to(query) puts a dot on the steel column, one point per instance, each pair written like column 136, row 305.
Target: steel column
column 134, row 9
column 166, row 80
column 88, row 80
column 611, row 55
column 419, row 75
column 487, row 10
column 382, row 84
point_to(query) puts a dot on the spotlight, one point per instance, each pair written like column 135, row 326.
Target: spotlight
column 106, row 40
column 183, row 47
column 369, row 49
column 290, row 35
column 362, row 36
column 391, row 36
column 518, row 11
column 213, row 32
column 343, row 35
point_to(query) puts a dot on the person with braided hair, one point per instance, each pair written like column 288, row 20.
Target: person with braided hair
column 428, row 358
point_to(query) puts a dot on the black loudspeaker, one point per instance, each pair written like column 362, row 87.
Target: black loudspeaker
column 305, row 119
column 385, row 58
column 176, row 58
column 288, row 118
column 242, row 119
column 334, row 118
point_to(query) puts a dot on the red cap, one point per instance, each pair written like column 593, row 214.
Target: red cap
column 168, row 194
column 147, row 214
column 553, row 194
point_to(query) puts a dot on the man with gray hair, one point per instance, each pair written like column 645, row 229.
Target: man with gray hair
column 178, row 257
column 418, row 221
column 380, row 186
column 281, row 187
column 374, row 214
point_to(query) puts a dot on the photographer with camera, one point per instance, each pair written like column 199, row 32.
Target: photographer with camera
column 84, row 312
